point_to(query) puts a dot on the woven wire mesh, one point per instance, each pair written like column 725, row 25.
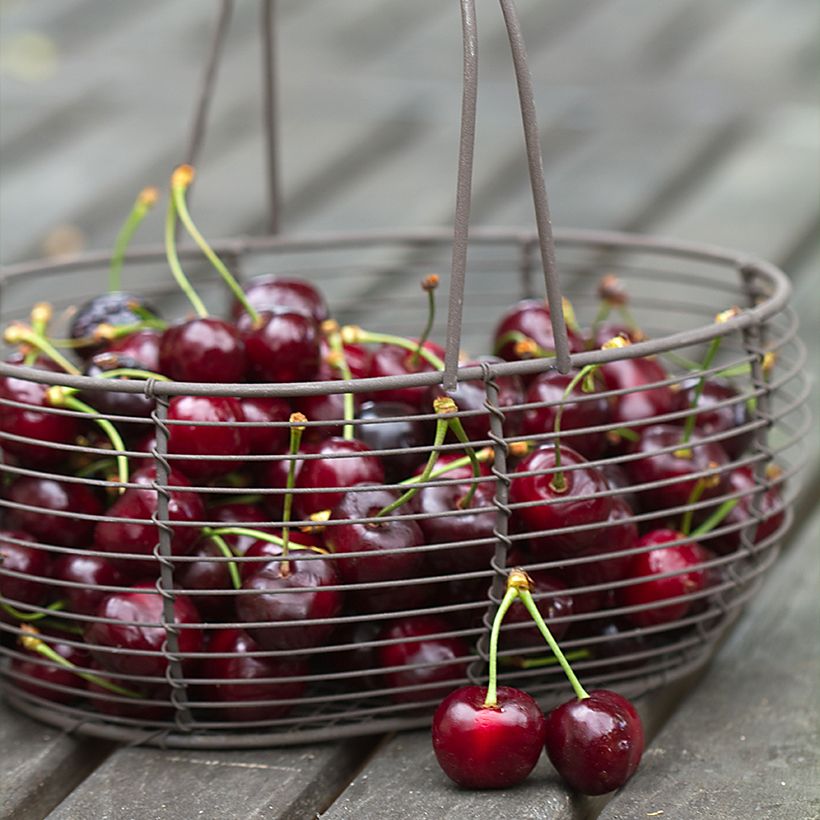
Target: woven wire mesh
column 368, row 673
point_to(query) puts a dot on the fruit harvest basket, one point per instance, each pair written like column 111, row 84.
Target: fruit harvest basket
column 290, row 518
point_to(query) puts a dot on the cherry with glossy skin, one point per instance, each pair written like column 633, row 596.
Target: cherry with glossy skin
column 34, row 422
column 142, row 346
column 712, row 419
column 580, row 410
column 640, row 404
column 225, row 439
column 488, row 747
column 354, row 655
column 89, row 571
column 393, row 360
column 660, row 598
column 291, row 589
column 115, row 308
column 529, row 319
column 342, row 464
column 242, row 514
column 391, row 433
column 267, row 438
column 559, row 605
column 429, row 664
column 50, row 496
column 152, row 702
column 31, row 562
column 271, row 293
column 205, row 349
column 142, row 605
column 680, row 464
column 595, row 743
column 283, row 346
column 204, row 576
column 231, row 675
column 271, row 551
column 43, row 678
column 111, row 402
column 575, row 504
column 122, row 537
column 375, row 566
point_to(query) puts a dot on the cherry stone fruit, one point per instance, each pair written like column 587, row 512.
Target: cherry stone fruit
column 488, row 747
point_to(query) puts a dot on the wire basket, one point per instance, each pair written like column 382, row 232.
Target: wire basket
column 397, row 631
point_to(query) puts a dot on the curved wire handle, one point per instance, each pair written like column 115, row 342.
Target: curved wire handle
column 465, row 161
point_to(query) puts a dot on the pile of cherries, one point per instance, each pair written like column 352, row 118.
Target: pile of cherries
column 319, row 536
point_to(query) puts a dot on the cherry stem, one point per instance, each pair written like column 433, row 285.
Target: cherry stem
column 107, row 333
column 338, row 361
column 32, row 643
column 484, row 455
column 689, row 424
column 173, row 261
column 529, row 603
column 41, row 315
column 262, row 536
column 181, row 179
column 701, row 485
column 491, row 699
column 442, row 425
column 458, row 428
column 559, row 482
column 429, row 284
column 61, row 397
column 223, row 547
column 98, row 466
column 519, row 338
column 17, row 333
column 297, row 421
column 29, row 617
column 118, row 372
column 715, row 518
column 353, row 335
column 146, row 199
column 538, row 663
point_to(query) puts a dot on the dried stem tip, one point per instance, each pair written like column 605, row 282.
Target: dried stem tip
column 725, row 315
column 41, row 313
column 611, row 290
column 444, row 405
column 518, row 579
column 15, row 333
column 298, row 419
column 182, row 176
column 615, row 342
column 29, row 640
column 148, row 197
column 430, row 282
column 329, row 326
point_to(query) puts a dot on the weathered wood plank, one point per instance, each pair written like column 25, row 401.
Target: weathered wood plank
column 745, row 744
column 40, row 765
column 179, row 785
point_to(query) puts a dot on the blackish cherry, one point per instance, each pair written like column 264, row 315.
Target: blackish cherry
column 115, row 309
column 112, row 402
column 488, row 747
column 595, row 743
column 394, row 428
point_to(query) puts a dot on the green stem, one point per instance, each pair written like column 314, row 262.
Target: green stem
column 41, row 315
column 145, row 201
column 458, row 428
column 600, row 316
column 526, row 599
column 538, row 663
column 689, row 425
column 223, row 547
column 339, row 362
column 442, row 425
column 700, row 487
column 491, row 700
column 58, row 397
column 558, row 482
column 173, row 262
column 429, row 284
column 297, row 421
column 180, row 180
column 34, row 644
column 18, row 333
column 31, row 617
column 359, row 335
column 517, row 336
column 484, row 455
column 715, row 518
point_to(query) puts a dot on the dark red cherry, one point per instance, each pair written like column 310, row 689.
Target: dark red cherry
column 115, row 308
column 341, row 464
column 282, row 347
column 205, row 349
column 41, row 677
column 141, row 346
column 595, row 743
column 268, row 437
column 528, row 319
column 271, row 293
column 470, row 397
column 720, row 409
column 270, row 551
column 393, row 428
column 674, row 467
column 30, row 567
column 357, row 358
column 328, row 409
column 663, row 597
column 640, row 404
column 425, row 664
column 374, row 565
column 446, row 521
column 78, row 578
column 391, row 360
column 207, row 575
column 288, row 592
column 488, row 747
column 48, row 498
column 242, row 678
column 112, row 402
column 224, row 439
column 152, row 701
column 36, row 422
column 240, row 514
column 546, row 508
column 355, row 655
column 609, row 330
column 554, row 602
column 140, row 536
column 132, row 621
column 581, row 410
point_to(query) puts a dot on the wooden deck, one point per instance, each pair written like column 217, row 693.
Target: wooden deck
column 688, row 118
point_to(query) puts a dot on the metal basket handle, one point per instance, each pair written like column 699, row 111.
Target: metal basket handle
column 465, row 161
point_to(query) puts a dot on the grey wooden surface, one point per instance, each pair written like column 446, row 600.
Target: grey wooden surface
column 688, row 118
